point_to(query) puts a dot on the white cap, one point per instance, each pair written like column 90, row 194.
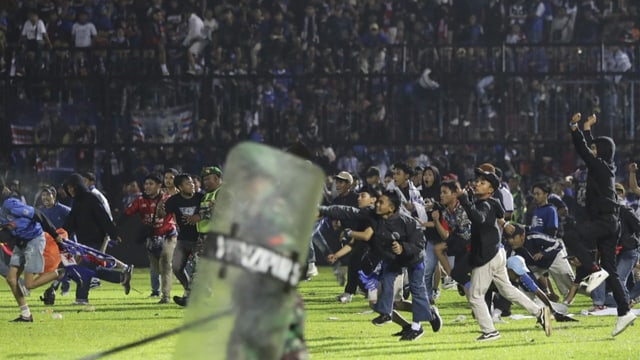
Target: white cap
column 344, row 175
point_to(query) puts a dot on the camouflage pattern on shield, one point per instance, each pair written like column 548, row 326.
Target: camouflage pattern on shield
column 253, row 258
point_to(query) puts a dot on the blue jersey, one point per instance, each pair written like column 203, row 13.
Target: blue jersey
column 544, row 219
column 22, row 218
column 57, row 214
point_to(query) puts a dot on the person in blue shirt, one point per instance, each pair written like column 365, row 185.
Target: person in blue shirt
column 544, row 216
column 26, row 225
column 56, row 212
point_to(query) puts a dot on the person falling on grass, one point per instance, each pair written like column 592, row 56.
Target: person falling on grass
column 602, row 226
column 520, row 275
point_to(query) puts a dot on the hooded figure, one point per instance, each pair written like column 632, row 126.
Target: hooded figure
column 88, row 218
column 600, row 194
column 602, row 228
column 90, row 222
column 433, row 191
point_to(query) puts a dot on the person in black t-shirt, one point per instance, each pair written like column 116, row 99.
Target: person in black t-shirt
column 185, row 206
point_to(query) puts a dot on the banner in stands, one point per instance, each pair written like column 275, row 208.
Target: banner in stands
column 52, row 123
column 168, row 125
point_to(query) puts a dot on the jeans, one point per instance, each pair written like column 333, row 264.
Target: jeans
column 385, row 294
column 625, row 262
column 154, row 279
column 420, row 307
column 183, row 250
column 430, row 264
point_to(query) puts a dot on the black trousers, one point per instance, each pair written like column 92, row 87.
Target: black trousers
column 602, row 234
column 354, row 264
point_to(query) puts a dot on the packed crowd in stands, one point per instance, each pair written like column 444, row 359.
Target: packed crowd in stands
column 280, row 37
column 455, row 41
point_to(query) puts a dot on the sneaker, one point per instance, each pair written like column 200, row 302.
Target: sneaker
column 544, row 319
column 23, row 319
column 406, row 292
column 180, row 300
column 595, row 308
column 345, row 298
column 436, row 294
column 594, row 280
column 154, row 294
column 494, row 335
column 436, row 321
column 126, row 279
column 497, row 319
column 412, row 335
column 562, row 317
column 623, row 322
column 49, row 296
column 461, row 290
column 312, row 270
column 405, row 329
column 23, row 289
column 449, row 283
column 80, row 302
column 381, row 320
column 95, row 283
column 164, row 300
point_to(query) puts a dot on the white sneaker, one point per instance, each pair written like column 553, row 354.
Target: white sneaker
column 345, row 298
column 623, row 322
column 436, row 294
column 449, row 283
column 496, row 317
column 594, row 280
column 312, row 270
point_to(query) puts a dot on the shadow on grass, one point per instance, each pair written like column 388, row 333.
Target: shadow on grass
column 26, row 355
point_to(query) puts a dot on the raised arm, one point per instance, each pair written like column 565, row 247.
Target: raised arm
column 633, row 181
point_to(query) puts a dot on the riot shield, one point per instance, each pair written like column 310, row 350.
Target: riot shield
column 243, row 295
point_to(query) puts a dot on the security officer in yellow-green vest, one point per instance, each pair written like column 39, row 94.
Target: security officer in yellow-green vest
column 212, row 183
